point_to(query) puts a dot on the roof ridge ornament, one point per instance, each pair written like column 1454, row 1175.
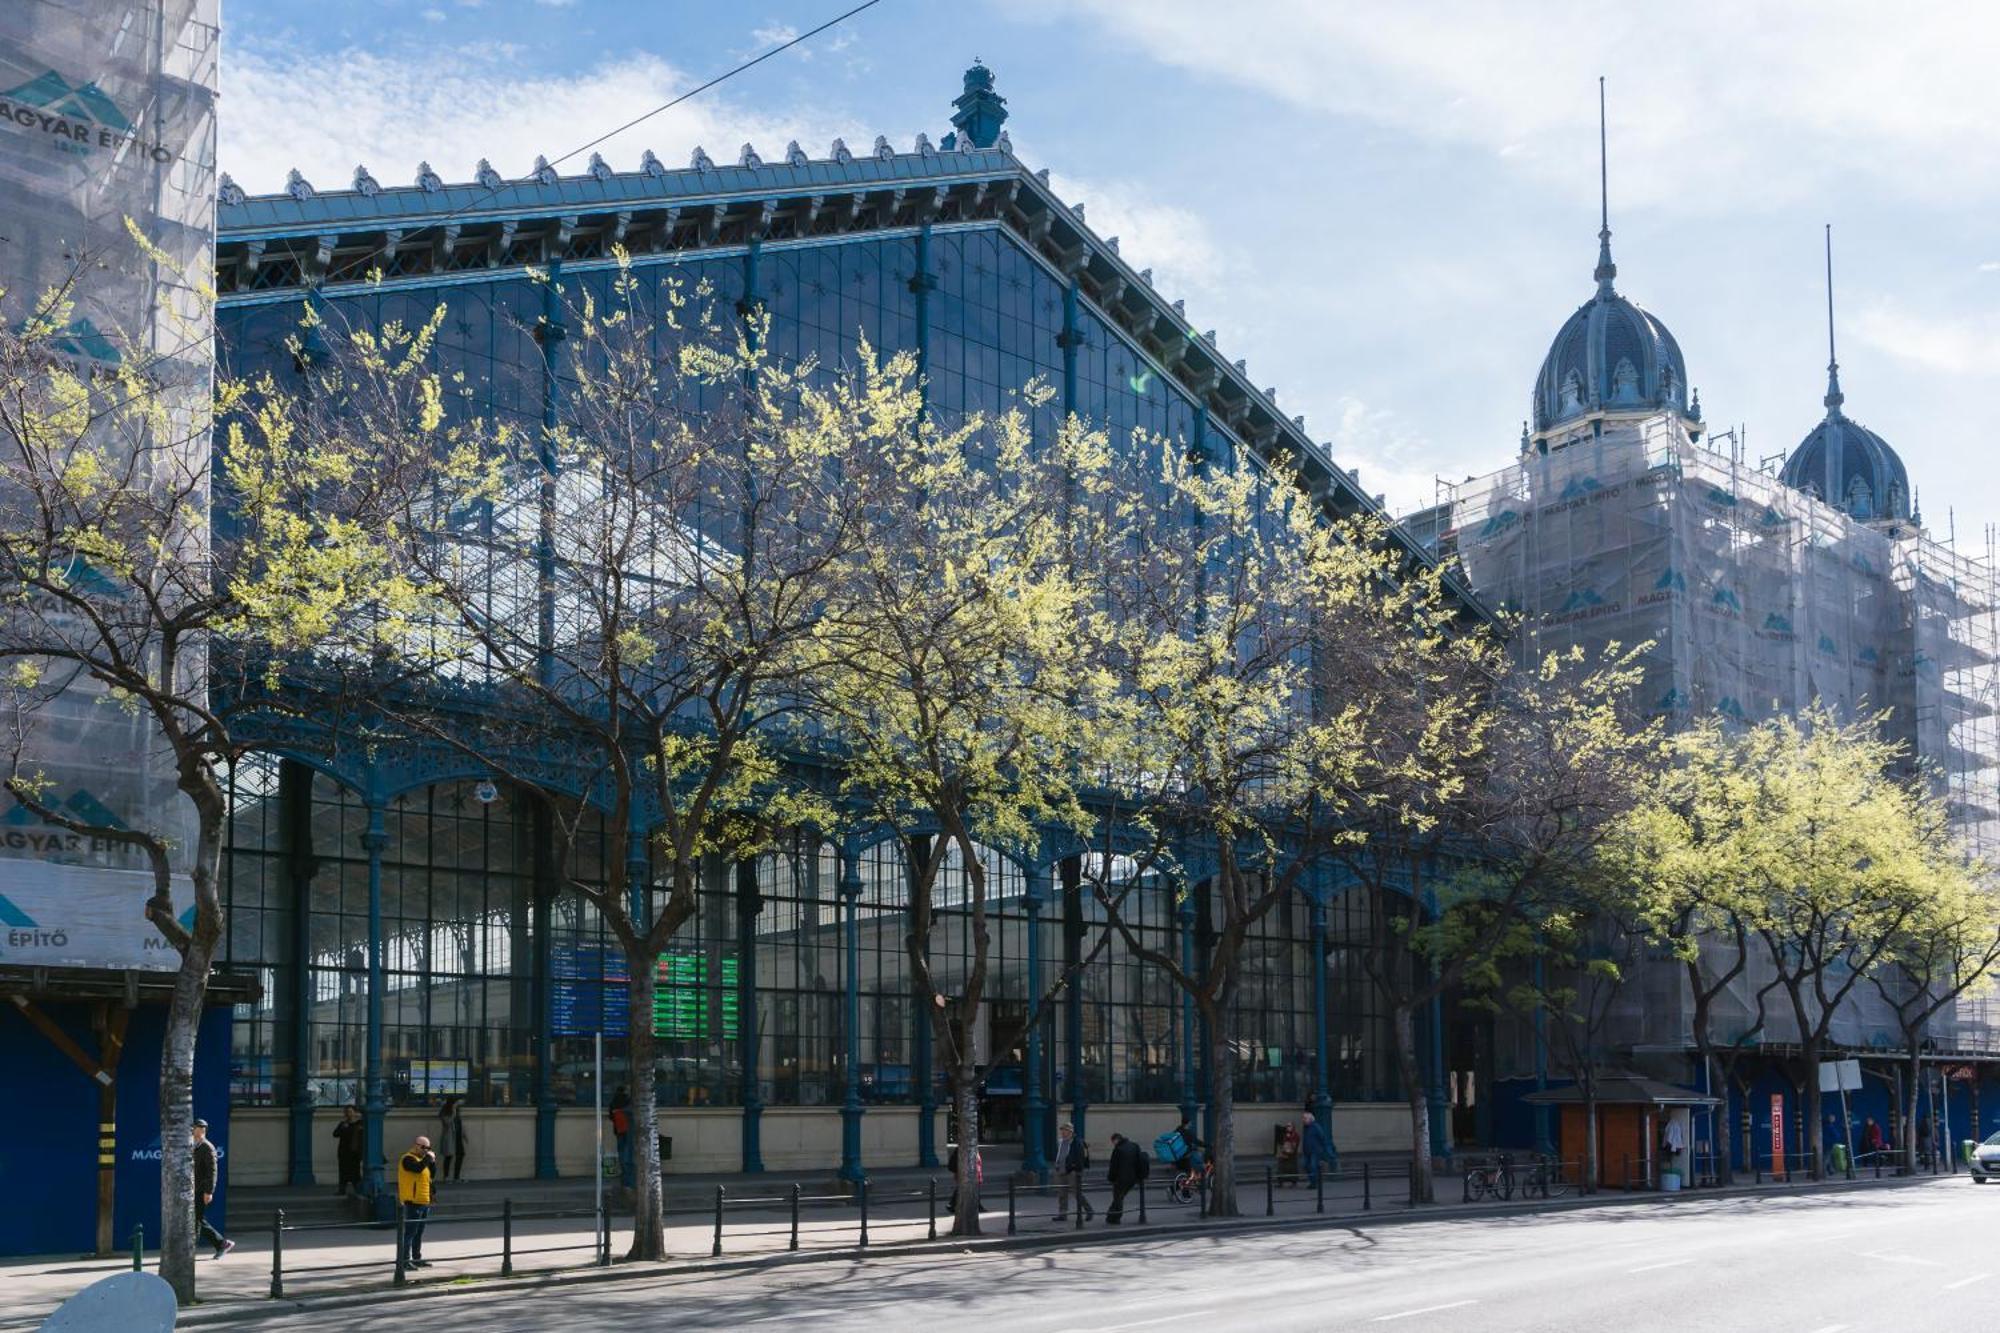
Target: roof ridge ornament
column 748, row 157
column 651, row 164
column 1834, row 397
column 297, row 186
column 1005, row 144
column 228, row 192
column 884, row 150
column 427, row 180
column 841, row 153
column 1606, row 270
column 794, row 155
column 365, row 183
column 701, row 161
column 487, row 176
column 924, row 148
column 543, row 172
column 600, row 168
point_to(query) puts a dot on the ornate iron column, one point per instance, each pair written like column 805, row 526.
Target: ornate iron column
column 1323, row 1079
column 925, row 1075
column 1034, row 1108
column 850, row 1104
column 1072, row 888
column 749, row 903
column 541, row 989
column 1440, row 1138
column 375, row 1103
column 1184, row 912
column 1544, row 1143
column 295, row 815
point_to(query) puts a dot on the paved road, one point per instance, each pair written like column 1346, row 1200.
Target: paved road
column 1909, row 1259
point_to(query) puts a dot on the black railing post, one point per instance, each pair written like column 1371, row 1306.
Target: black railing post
column 1079, row 1203
column 1010, row 1205
column 864, row 1212
column 277, row 1254
column 138, row 1247
column 1142, row 1201
column 715, row 1250
column 933, row 1206
column 1270, row 1193
column 604, row 1233
column 402, row 1244
column 1367, row 1190
column 1203, row 1186
column 795, row 1215
column 1464, row 1185
column 506, row 1238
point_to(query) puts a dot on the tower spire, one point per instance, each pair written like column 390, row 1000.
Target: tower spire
column 1606, row 270
column 1834, row 398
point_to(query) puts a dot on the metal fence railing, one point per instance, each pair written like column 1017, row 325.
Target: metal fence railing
column 397, row 1263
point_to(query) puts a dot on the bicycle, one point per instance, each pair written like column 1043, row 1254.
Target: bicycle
column 1491, row 1180
column 1548, row 1178
column 1189, row 1182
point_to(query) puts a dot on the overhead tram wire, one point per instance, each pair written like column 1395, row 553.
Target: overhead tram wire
column 489, row 191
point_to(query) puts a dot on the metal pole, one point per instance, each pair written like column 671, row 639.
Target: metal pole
column 401, row 1243
column 795, row 1215
column 715, row 1250
column 277, row 1254
column 1010, row 1205
column 1270, row 1193
column 864, row 1213
column 1033, row 1108
column 375, row 1098
column 1367, row 1191
column 138, row 1247
column 933, row 1188
column 597, row 1163
column 1142, row 1203
column 850, row 1103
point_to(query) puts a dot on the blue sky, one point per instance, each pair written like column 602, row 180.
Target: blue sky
column 1388, row 210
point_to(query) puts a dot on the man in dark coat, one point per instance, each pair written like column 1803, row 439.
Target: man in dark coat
column 204, row 1190
column 1129, row 1167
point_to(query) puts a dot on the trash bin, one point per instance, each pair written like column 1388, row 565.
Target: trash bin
column 1669, row 1181
column 1839, row 1166
column 1966, row 1148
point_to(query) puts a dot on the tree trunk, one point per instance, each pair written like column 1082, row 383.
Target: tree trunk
column 1222, row 1103
column 1909, row 1130
column 184, row 1012
column 965, row 1184
column 1592, row 1150
column 649, row 1225
column 1815, row 1111
column 1403, row 1024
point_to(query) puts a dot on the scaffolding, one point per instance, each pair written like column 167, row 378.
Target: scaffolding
column 1754, row 599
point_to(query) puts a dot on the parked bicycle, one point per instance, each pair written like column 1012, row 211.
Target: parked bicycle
column 1491, row 1180
column 1547, row 1180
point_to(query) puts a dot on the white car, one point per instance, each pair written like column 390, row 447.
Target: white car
column 1986, row 1160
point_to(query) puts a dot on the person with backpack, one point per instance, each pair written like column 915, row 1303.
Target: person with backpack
column 1318, row 1147
column 1072, row 1159
column 1129, row 1168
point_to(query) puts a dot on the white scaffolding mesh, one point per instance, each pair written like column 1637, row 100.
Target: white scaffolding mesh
column 1756, row 600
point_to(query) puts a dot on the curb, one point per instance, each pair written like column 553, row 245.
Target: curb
column 244, row 1311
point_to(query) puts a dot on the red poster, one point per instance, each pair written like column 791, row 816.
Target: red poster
column 1777, row 1136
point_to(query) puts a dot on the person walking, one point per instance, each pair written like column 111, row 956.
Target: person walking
column 1129, row 1168
column 1072, row 1159
column 619, row 1113
column 1316, row 1145
column 348, row 1137
column 205, row 1167
column 451, row 1139
column 416, row 1173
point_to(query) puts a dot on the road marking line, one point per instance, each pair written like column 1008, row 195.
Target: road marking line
column 1143, row 1323
column 1428, row 1309
column 1966, row 1281
column 1830, row 1328
column 1654, row 1268
column 1901, row 1259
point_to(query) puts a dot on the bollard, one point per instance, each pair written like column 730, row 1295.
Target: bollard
column 604, row 1233
column 1204, row 1194
column 715, row 1250
column 795, row 1215
column 1142, row 1201
column 933, row 1187
column 1319, row 1191
column 138, row 1247
column 1367, row 1190
column 1878, row 1166
column 401, row 1246
column 1010, row 1205
column 864, row 1212
column 1465, row 1184
column 506, row 1238
column 1270, row 1193
column 277, row 1254
column 1079, row 1203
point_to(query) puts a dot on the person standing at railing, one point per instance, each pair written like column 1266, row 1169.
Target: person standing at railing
column 1129, row 1169
column 1072, row 1158
column 416, row 1172
column 347, row 1140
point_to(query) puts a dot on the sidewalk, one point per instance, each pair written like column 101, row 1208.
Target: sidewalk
column 357, row 1262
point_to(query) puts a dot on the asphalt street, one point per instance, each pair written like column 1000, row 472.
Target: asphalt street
column 1918, row 1257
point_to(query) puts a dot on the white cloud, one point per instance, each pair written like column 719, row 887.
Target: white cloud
column 433, row 16
column 1714, row 106
column 464, row 104
column 557, row 4
column 1962, row 345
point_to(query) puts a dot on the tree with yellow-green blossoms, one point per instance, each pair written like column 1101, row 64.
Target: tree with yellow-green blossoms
column 117, row 594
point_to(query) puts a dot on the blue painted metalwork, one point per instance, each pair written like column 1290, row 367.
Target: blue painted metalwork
column 1071, row 871
column 1034, row 1108
column 1184, row 912
column 749, row 904
column 296, row 817
column 375, row 1104
column 541, row 989
column 981, row 111
column 851, row 1168
column 923, row 1072
column 1544, row 1142
column 1322, row 1076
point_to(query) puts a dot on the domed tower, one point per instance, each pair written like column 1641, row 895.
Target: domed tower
column 1843, row 462
column 1612, row 360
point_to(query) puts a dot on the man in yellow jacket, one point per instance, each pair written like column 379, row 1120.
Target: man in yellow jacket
column 415, row 1173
